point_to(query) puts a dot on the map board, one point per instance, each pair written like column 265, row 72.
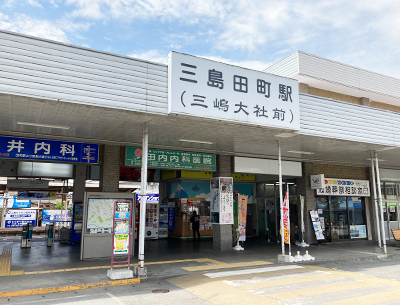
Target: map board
column 100, row 215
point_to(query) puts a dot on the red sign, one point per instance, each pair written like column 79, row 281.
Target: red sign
column 285, row 213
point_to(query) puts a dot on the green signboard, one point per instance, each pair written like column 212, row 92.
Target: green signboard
column 171, row 159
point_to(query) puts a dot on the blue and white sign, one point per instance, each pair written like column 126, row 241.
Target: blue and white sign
column 18, row 204
column 152, row 198
column 36, row 194
column 54, row 215
column 209, row 89
column 46, row 150
column 18, row 218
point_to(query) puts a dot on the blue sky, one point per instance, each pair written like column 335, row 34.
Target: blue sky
column 251, row 33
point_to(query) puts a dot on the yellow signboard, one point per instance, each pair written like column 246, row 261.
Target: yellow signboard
column 243, row 177
column 168, row 174
column 196, row 174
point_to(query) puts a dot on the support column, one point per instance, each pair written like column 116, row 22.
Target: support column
column 304, row 189
column 222, row 234
column 109, row 171
column 79, row 183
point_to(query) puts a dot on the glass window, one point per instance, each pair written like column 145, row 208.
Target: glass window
column 270, row 190
column 390, row 190
column 392, row 207
column 292, row 189
column 321, row 203
column 260, row 189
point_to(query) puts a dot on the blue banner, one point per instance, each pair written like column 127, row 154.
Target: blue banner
column 153, row 198
column 18, row 204
column 171, row 218
column 47, row 150
column 17, row 218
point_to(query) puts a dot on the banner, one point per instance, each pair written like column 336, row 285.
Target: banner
column 286, row 220
column 242, row 217
column 54, row 215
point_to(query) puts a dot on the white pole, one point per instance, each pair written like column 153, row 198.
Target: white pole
column 280, row 197
column 302, row 218
column 376, row 202
column 378, row 182
column 143, row 202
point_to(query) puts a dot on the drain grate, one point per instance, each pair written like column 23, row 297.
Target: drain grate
column 160, row 291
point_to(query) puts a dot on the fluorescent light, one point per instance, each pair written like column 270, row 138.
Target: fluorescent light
column 195, row 141
column 301, row 152
column 380, row 160
column 43, row 125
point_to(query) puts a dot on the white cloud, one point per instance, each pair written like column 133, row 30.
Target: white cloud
column 34, row 3
column 57, row 30
column 151, row 55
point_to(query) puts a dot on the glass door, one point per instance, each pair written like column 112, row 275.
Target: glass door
column 322, row 203
column 339, row 220
column 390, row 217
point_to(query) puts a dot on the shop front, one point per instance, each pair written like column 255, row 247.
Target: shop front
column 341, row 208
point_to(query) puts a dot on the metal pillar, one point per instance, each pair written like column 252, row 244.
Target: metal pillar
column 140, row 270
column 280, row 197
column 375, row 201
column 378, row 182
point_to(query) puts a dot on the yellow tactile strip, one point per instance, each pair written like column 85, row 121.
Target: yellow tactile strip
column 5, row 260
column 213, row 264
column 67, row 288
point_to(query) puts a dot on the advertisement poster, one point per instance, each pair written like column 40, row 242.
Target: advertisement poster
column 171, row 216
column 15, row 218
column 54, row 215
column 242, row 217
column 286, row 220
column 121, row 226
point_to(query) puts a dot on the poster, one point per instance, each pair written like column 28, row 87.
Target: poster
column 316, row 222
column 122, row 226
column 222, row 200
column 49, row 216
column 242, row 205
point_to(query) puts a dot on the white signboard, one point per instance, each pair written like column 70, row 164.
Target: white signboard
column 209, row 89
column 317, row 181
column 28, row 184
column 18, row 218
column 345, row 187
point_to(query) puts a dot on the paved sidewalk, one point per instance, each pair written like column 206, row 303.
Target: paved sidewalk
column 59, row 266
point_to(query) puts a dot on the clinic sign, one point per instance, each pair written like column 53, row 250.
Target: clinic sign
column 345, row 187
column 46, row 150
column 171, row 159
column 18, row 218
column 210, row 89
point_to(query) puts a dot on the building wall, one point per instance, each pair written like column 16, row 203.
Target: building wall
column 339, row 171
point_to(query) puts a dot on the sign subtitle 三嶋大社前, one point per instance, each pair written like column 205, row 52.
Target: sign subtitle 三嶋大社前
column 171, row 159
column 47, row 150
column 209, row 89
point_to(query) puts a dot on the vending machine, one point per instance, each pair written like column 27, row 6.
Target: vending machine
column 152, row 216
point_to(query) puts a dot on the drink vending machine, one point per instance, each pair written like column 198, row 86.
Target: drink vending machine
column 152, row 216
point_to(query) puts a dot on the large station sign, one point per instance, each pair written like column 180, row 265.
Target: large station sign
column 47, row 150
column 209, row 89
column 171, row 159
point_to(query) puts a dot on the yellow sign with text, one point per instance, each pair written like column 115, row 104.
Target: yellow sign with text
column 196, row 174
column 168, row 174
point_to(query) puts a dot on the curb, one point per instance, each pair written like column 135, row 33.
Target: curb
column 67, row 288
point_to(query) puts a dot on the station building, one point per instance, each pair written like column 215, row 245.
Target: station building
column 56, row 93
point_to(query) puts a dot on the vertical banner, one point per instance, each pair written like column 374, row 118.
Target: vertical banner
column 215, row 198
column 303, row 228
column 286, row 220
column 171, row 216
column 242, row 217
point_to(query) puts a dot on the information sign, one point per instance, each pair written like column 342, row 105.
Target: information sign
column 171, row 159
column 18, row 218
column 345, row 187
column 221, row 190
column 47, row 150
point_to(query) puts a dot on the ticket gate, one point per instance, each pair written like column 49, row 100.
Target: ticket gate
column 50, row 233
column 26, row 238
